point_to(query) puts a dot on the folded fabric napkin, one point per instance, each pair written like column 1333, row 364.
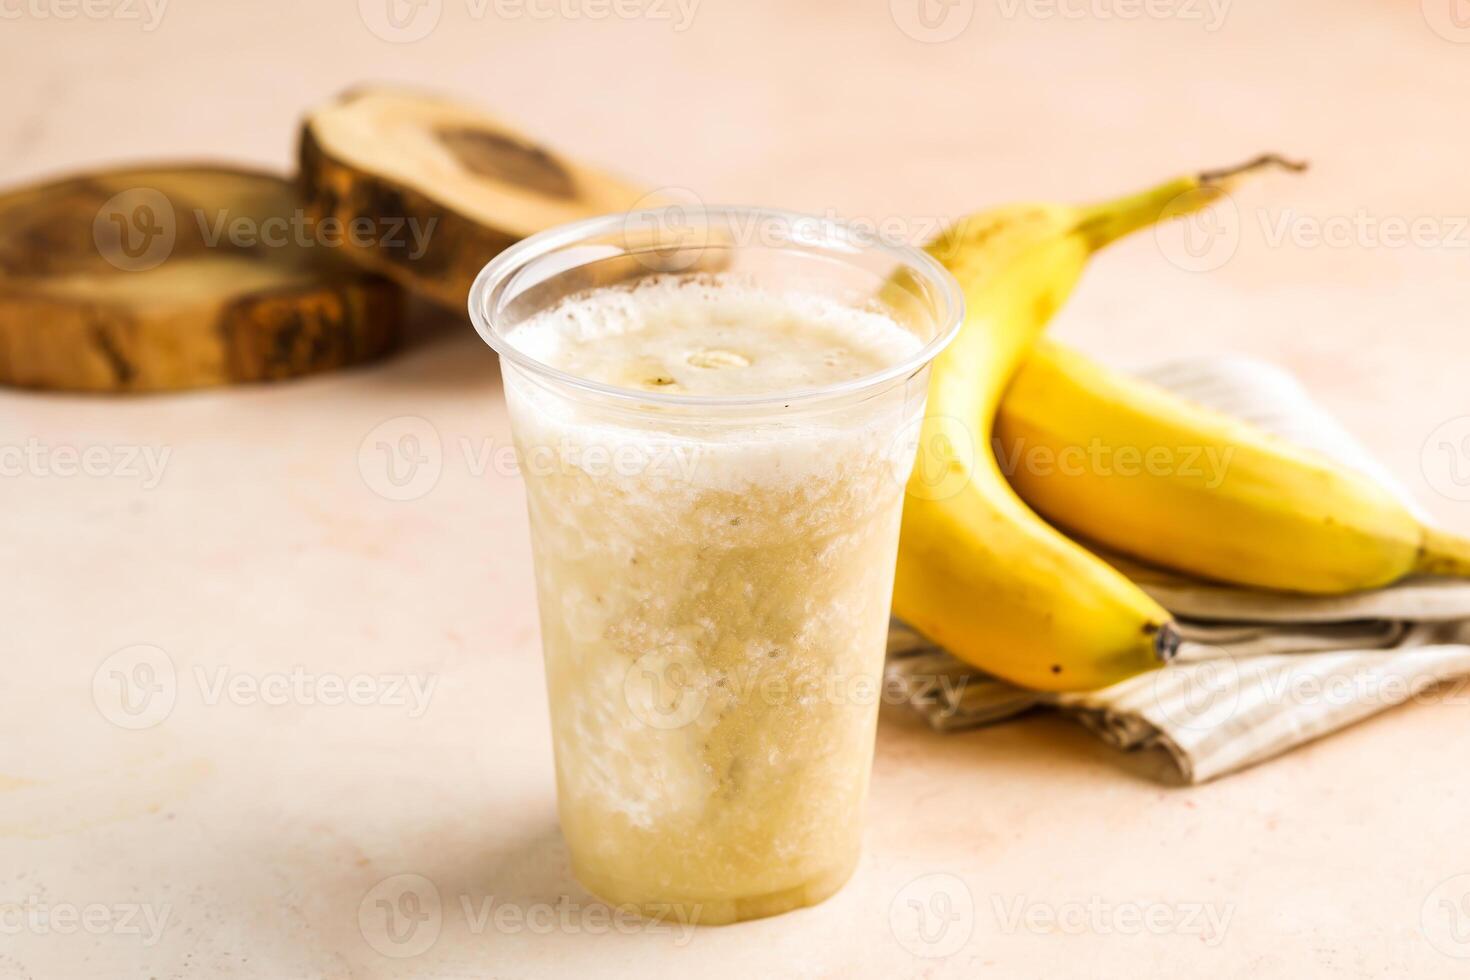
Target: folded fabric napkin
column 1258, row 673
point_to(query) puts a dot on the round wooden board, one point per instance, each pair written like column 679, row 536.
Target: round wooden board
column 174, row 277
column 457, row 184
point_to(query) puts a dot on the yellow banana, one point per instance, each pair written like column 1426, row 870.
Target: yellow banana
column 978, row 572
column 1157, row 477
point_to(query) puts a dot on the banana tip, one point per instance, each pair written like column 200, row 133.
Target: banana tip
column 1166, row 643
column 1443, row 553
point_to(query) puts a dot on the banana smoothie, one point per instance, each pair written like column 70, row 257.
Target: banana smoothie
column 714, row 589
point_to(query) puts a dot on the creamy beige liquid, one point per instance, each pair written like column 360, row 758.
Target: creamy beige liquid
column 713, row 610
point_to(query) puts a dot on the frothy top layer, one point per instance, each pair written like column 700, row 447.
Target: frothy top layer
column 711, row 336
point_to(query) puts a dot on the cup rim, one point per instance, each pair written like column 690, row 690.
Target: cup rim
column 499, row 271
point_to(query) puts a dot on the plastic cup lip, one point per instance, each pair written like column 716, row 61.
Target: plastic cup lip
column 499, row 271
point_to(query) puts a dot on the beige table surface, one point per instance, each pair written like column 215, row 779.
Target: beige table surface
column 262, row 837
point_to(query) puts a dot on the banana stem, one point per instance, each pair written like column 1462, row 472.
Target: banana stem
column 1229, row 177
column 1102, row 224
column 1443, row 553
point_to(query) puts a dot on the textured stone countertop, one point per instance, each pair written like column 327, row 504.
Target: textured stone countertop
column 243, row 828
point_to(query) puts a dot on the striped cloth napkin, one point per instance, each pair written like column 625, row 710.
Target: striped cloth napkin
column 1258, row 673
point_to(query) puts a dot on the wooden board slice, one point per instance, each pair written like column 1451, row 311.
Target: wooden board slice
column 460, row 184
column 177, row 277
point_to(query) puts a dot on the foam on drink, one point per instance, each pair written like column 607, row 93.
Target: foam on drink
column 703, row 336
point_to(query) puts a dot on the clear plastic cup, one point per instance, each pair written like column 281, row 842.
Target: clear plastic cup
column 714, row 574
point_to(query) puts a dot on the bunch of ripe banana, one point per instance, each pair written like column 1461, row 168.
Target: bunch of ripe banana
column 983, row 575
